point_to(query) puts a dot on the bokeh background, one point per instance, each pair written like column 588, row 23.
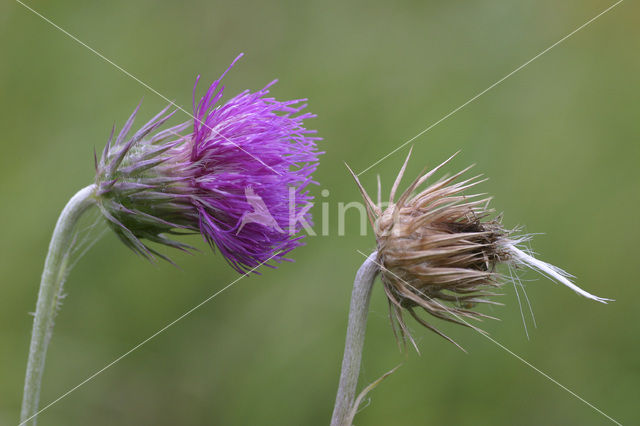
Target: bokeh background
column 559, row 141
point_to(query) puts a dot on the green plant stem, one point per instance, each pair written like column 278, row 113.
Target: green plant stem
column 56, row 267
column 358, row 311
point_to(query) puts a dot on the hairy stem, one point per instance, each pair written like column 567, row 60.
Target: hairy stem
column 56, row 267
column 356, row 328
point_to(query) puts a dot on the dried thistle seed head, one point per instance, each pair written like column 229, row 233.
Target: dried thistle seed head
column 438, row 250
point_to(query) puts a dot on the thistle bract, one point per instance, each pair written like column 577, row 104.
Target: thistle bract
column 237, row 174
column 439, row 249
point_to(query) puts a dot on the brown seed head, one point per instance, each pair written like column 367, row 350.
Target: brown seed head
column 437, row 249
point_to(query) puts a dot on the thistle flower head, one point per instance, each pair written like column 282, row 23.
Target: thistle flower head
column 237, row 174
column 439, row 248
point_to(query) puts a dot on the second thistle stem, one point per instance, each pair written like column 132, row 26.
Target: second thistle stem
column 56, row 267
column 358, row 311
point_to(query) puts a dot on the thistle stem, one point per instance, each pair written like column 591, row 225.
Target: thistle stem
column 358, row 311
column 55, row 271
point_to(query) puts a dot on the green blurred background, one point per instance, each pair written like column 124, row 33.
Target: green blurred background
column 559, row 141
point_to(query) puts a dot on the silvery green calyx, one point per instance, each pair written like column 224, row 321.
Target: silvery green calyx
column 139, row 185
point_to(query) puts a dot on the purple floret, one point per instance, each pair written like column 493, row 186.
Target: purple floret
column 240, row 178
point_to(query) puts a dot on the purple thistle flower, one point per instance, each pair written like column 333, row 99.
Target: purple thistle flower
column 239, row 178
